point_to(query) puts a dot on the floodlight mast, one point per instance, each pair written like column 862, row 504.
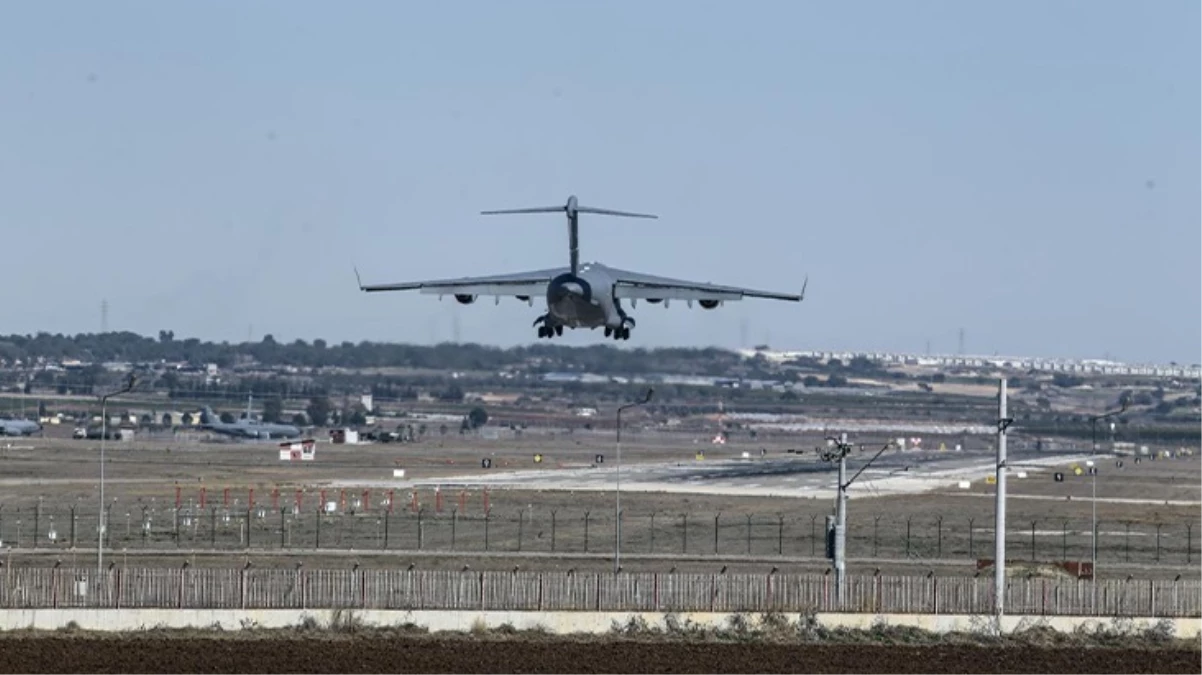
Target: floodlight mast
column 101, row 524
column 999, row 524
column 618, row 479
column 1093, row 479
column 837, row 450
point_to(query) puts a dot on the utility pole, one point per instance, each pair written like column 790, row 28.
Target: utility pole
column 1093, row 479
column 104, row 419
column 837, row 450
column 999, row 525
column 618, row 480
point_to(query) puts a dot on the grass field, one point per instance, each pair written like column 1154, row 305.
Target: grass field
column 44, row 479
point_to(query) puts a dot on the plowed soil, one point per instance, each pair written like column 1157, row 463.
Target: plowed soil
column 156, row 654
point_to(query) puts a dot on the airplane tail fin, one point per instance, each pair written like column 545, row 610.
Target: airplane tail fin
column 572, row 209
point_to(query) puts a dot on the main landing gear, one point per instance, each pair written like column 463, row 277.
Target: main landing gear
column 547, row 329
column 621, row 332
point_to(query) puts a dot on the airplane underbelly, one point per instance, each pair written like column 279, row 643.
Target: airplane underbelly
column 575, row 312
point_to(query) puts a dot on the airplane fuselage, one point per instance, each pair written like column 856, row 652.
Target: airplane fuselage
column 260, row 431
column 18, row 427
column 583, row 300
column 247, row 428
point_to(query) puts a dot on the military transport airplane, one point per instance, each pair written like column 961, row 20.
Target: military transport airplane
column 583, row 296
column 247, row 427
column 18, row 427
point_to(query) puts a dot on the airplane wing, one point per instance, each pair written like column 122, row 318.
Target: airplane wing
column 522, row 283
column 635, row 285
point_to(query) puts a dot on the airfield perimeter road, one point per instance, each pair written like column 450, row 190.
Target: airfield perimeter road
column 159, row 652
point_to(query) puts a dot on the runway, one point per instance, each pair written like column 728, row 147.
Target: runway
column 797, row 476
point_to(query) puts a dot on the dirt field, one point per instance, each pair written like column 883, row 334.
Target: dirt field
column 157, row 654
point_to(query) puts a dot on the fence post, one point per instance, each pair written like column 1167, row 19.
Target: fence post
column 212, row 526
column 908, row 520
column 1033, row 540
column 651, row 546
column 248, row 521
column 1064, row 540
column 421, row 527
column 521, row 526
column 939, row 536
column 387, row 518
column 586, row 514
column 716, row 517
column 1189, row 543
column 37, row 527
column 1157, row 542
column 876, row 523
column 454, row 524
column 971, row 552
column 317, row 534
column 72, row 528
column 780, row 535
column 552, row 530
column 488, row 518
column 1127, row 543
column 934, row 595
column 684, row 533
column 749, row 534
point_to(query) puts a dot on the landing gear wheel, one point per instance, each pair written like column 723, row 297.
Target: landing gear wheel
column 542, row 331
column 559, row 330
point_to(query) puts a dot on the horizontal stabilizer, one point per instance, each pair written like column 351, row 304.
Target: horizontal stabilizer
column 610, row 212
column 571, row 208
column 534, row 209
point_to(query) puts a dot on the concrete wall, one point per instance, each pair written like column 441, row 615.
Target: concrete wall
column 554, row 622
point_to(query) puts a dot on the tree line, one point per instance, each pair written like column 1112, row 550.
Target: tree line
column 132, row 347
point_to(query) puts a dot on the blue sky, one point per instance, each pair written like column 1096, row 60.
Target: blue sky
column 1026, row 171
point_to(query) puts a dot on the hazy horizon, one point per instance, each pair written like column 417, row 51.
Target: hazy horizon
column 1026, row 172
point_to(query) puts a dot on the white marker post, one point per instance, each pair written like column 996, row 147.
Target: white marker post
column 999, row 525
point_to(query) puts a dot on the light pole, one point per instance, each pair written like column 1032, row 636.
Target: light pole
column 618, row 481
column 837, row 450
column 104, row 419
column 1093, row 478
